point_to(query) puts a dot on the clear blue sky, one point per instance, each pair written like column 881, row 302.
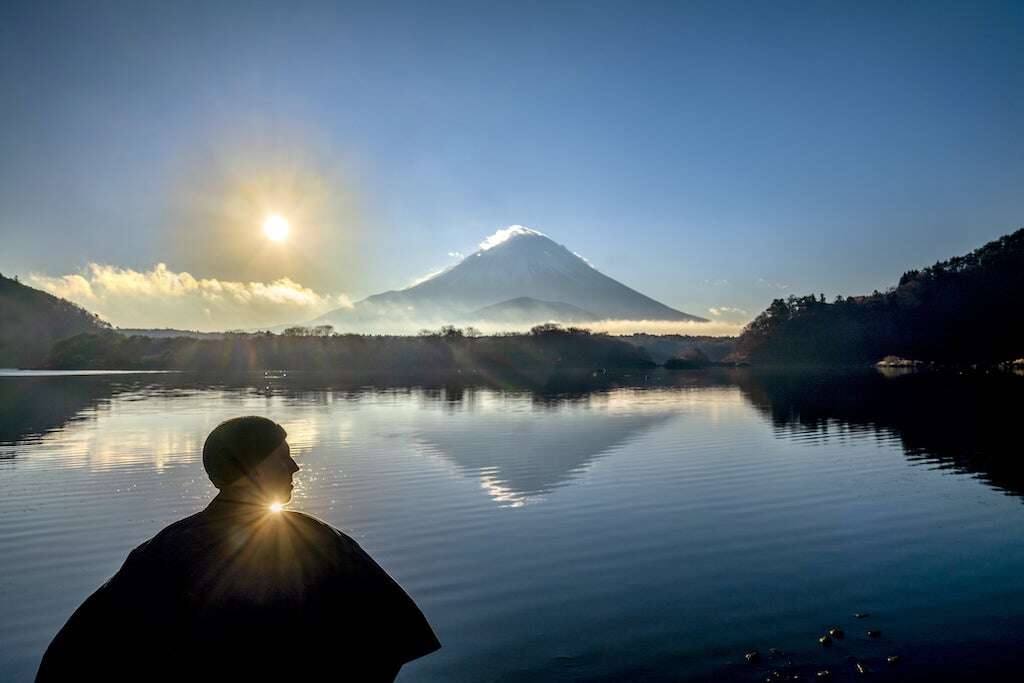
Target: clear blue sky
column 708, row 154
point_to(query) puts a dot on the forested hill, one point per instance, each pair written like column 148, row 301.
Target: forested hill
column 31, row 321
column 964, row 310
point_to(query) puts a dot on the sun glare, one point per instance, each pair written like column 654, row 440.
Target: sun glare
column 276, row 507
column 276, row 228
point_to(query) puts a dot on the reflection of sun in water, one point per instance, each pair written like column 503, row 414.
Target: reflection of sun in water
column 276, row 507
column 275, row 227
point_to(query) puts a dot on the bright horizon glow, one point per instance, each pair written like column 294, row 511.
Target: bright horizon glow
column 276, row 228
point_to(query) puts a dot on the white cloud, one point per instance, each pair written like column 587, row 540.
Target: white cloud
column 438, row 271
column 432, row 274
column 773, row 285
column 504, row 235
column 163, row 298
column 719, row 311
column 582, row 258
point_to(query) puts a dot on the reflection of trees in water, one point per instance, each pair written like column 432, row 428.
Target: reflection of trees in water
column 528, row 454
column 451, row 387
column 33, row 406
column 962, row 422
column 966, row 423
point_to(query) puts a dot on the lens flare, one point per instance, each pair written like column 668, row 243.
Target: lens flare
column 276, row 507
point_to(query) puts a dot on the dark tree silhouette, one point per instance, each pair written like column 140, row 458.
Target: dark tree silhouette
column 447, row 349
column 964, row 310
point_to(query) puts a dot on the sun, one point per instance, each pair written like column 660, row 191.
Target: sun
column 276, row 228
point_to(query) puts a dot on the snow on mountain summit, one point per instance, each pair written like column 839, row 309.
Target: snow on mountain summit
column 506, row 234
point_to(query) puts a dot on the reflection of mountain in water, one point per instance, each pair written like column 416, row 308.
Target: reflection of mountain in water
column 522, row 455
column 965, row 423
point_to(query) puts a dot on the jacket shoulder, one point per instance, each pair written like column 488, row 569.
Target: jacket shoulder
column 319, row 529
column 169, row 535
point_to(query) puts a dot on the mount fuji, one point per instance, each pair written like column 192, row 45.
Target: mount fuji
column 518, row 276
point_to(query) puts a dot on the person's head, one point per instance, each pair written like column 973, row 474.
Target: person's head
column 249, row 455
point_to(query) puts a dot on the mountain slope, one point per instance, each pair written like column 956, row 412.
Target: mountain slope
column 514, row 263
column 31, row 320
column 526, row 309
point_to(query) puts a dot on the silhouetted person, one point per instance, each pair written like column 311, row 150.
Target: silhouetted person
column 243, row 592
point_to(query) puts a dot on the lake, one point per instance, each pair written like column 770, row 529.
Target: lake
column 646, row 528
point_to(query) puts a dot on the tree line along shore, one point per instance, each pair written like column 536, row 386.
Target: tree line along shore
column 450, row 348
column 548, row 348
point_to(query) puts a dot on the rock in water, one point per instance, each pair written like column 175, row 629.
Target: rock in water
column 752, row 657
column 836, row 632
column 825, row 640
column 874, row 633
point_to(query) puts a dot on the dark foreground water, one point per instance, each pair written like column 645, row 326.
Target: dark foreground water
column 581, row 529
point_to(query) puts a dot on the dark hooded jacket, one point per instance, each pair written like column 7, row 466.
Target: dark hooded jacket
column 238, row 591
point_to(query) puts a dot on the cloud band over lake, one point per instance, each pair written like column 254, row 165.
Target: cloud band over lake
column 161, row 298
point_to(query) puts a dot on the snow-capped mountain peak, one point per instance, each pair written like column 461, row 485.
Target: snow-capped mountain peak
column 513, row 263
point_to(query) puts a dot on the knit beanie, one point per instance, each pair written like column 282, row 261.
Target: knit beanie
column 237, row 445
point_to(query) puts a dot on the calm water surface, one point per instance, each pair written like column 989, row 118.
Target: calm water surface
column 576, row 531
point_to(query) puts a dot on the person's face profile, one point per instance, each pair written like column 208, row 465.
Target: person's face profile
column 274, row 474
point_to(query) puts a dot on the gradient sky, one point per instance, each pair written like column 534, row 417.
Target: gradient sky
column 711, row 155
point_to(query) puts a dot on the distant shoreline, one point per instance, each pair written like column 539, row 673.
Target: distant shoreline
column 28, row 372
